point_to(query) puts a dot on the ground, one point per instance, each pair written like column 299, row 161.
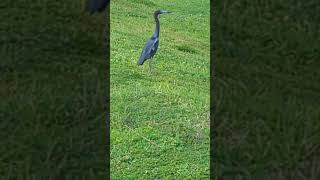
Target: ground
column 266, row 91
column 160, row 121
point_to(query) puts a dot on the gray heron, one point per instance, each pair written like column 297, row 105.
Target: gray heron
column 152, row 44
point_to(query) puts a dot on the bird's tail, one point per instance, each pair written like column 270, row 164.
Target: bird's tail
column 141, row 61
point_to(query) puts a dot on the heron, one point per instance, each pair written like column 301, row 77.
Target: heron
column 93, row 6
column 152, row 44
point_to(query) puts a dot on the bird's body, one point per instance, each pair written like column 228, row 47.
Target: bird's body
column 93, row 6
column 149, row 50
column 152, row 44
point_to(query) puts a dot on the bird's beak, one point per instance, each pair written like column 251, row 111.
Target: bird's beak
column 166, row 12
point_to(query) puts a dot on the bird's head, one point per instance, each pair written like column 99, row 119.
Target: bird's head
column 158, row 12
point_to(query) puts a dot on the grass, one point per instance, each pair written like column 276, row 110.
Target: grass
column 160, row 121
column 53, row 88
column 266, row 89
column 53, row 91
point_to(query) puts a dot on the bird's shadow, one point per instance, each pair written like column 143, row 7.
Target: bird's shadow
column 145, row 72
column 187, row 49
column 128, row 122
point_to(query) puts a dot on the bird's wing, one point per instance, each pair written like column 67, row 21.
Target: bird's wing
column 151, row 47
column 149, row 50
column 154, row 47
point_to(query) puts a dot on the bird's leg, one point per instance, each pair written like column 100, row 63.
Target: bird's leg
column 150, row 65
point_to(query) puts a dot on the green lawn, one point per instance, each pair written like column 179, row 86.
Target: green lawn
column 266, row 91
column 160, row 121
column 52, row 91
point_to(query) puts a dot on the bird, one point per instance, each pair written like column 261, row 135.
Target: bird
column 152, row 44
column 93, row 6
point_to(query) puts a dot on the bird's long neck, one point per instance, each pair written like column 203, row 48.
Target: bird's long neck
column 157, row 28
